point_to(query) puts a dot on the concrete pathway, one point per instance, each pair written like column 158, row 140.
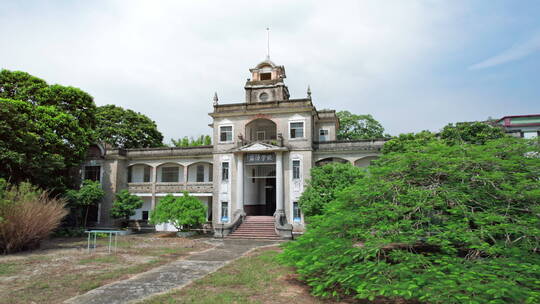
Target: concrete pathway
column 170, row 276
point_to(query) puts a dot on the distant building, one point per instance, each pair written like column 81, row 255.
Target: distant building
column 526, row 126
column 258, row 165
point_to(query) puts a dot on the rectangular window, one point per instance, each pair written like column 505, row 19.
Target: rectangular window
column 225, row 171
column 297, row 129
column 145, row 215
column 130, row 174
column 224, row 211
column 169, row 174
column 296, row 213
column 200, row 173
column 261, row 135
column 266, row 76
column 146, row 174
column 225, row 133
column 296, row 169
column 92, row 173
column 323, row 135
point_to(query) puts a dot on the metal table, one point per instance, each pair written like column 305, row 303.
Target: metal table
column 92, row 235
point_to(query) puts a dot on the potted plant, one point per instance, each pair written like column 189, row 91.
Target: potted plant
column 184, row 213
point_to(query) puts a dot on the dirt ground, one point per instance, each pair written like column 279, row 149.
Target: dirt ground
column 63, row 268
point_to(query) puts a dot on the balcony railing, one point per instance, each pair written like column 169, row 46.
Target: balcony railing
column 203, row 187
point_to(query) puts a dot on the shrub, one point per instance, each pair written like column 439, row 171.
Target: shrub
column 88, row 195
column 28, row 216
column 183, row 212
column 444, row 223
column 125, row 204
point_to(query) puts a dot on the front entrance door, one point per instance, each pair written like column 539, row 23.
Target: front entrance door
column 270, row 195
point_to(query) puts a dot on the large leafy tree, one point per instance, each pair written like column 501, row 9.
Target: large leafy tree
column 471, row 132
column 45, row 130
column 39, row 144
column 355, row 127
column 125, row 128
column 441, row 223
column 19, row 85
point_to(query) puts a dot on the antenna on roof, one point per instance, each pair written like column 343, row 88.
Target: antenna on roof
column 267, row 43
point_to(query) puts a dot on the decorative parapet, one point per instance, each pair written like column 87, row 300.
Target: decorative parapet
column 270, row 105
column 356, row 145
column 169, row 152
column 171, row 187
column 140, row 187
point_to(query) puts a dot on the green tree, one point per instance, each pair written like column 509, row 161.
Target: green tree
column 125, row 205
column 408, row 141
column 182, row 212
column 326, row 181
column 355, row 127
column 444, row 223
column 125, row 128
column 87, row 196
column 203, row 140
column 22, row 86
column 471, row 132
column 39, row 144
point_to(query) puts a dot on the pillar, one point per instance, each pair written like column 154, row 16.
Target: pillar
column 240, row 182
column 279, row 182
column 154, row 181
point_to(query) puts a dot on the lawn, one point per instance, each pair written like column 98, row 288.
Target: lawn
column 63, row 268
column 256, row 278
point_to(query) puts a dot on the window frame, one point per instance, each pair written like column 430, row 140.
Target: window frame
column 296, row 170
column 225, row 177
column 95, row 172
column 224, row 210
column 177, row 174
column 199, row 171
column 297, row 213
column 303, row 122
column 220, row 132
column 327, row 134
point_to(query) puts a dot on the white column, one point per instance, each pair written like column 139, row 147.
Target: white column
column 240, row 182
column 279, row 182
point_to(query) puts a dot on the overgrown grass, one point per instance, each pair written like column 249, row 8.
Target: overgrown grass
column 66, row 270
column 257, row 278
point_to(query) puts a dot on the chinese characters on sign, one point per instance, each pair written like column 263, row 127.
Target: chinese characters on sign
column 255, row 158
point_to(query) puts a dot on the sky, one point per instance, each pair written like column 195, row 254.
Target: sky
column 414, row 65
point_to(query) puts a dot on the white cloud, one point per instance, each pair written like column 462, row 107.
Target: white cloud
column 516, row 52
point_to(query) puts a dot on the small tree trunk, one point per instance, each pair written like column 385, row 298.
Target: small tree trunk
column 86, row 216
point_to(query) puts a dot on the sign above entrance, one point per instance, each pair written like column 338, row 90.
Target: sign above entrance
column 260, row 158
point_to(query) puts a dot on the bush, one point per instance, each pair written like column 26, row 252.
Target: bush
column 183, row 212
column 444, row 223
column 125, row 204
column 69, row 232
column 28, row 215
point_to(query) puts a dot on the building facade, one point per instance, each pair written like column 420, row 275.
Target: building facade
column 259, row 163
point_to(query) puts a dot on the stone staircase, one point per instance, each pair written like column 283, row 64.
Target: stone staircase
column 256, row 227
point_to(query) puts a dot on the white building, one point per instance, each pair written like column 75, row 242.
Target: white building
column 258, row 165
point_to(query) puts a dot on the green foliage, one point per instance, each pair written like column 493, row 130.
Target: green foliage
column 125, row 128
column 45, row 130
column 471, row 132
column 438, row 223
column 88, row 195
column 183, row 212
column 125, row 205
column 355, row 127
column 39, row 144
column 409, row 141
column 203, row 140
column 325, row 182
